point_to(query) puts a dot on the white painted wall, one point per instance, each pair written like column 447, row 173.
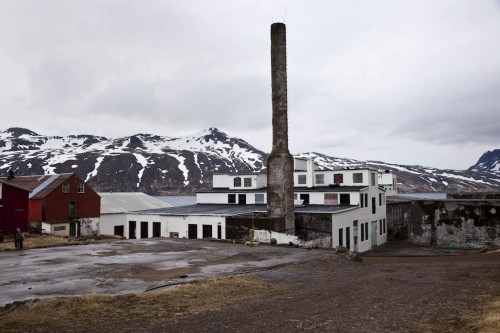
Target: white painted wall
column 51, row 229
column 178, row 224
column 109, row 221
column 389, row 182
column 227, row 181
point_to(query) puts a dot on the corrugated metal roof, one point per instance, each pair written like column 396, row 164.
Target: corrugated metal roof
column 41, row 185
column 123, row 202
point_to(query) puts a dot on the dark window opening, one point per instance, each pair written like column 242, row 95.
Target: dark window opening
column 237, row 182
column 242, row 199
column 338, row 178
column 305, row 198
column 231, row 198
column 345, row 199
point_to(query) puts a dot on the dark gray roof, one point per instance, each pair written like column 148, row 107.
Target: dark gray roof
column 234, row 210
column 208, row 209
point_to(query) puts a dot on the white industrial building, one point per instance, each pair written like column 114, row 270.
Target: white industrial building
column 351, row 200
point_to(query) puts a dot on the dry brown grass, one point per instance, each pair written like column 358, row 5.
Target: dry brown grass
column 40, row 241
column 489, row 319
column 115, row 313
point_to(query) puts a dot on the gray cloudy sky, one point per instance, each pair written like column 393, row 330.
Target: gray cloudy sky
column 410, row 82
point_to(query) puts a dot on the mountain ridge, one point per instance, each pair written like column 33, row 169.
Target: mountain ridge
column 164, row 165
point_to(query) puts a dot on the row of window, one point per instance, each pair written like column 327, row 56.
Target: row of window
column 80, row 188
column 242, row 198
column 329, row 199
column 338, row 178
column 247, row 182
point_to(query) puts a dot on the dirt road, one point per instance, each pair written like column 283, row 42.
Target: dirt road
column 418, row 290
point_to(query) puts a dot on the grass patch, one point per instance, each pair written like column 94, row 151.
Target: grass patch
column 115, row 313
column 488, row 320
column 41, row 241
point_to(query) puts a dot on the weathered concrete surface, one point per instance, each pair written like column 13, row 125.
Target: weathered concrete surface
column 130, row 266
column 280, row 161
column 469, row 223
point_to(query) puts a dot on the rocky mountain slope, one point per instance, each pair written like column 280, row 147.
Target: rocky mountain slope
column 163, row 165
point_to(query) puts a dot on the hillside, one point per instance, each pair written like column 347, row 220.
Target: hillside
column 162, row 165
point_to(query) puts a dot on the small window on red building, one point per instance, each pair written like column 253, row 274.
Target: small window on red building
column 65, row 188
column 81, row 188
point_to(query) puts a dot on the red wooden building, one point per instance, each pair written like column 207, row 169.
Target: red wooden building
column 13, row 208
column 60, row 204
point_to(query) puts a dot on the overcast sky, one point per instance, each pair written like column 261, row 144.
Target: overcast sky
column 408, row 82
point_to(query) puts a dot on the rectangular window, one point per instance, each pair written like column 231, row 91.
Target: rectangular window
column 60, row 228
column 384, row 226
column 72, row 209
column 341, row 237
column 345, row 199
column 357, row 177
column 338, row 178
column 380, row 199
column 362, row 232
column 81, row 188
column 302, row 179
column 372, row 179
column 65, row 188
column 231, row 198
column 366, row 230
column 173, row 235
column 259, row 198
column 362, row 204
column 331, row 199
column 381, row 227
column 237, row 182
column 374, row 205
column 320, row 179
column 247, row 182
column 366, row 199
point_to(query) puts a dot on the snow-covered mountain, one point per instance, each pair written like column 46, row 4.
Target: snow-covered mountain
column 142, row 162
column 488, row 162
column 163, row 165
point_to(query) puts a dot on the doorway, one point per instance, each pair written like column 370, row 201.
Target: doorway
column 144, row 230
column 119, row 230
column 192, row 231
column 131, row 230
column 156, row 229
column 374, row 234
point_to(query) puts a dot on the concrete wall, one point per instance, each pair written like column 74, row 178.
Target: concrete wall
column 169, row 224
column 227, row 181
column 467, row 223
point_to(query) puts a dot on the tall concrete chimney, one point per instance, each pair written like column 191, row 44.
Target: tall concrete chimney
column 280, row 161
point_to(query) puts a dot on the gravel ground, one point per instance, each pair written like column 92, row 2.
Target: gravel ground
column 417, row 292
column 396, row 288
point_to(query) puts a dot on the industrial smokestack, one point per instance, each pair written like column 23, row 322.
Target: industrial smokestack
column 280, row 161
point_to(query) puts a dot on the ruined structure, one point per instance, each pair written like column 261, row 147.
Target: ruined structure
column 280, row 161
column 461, row 220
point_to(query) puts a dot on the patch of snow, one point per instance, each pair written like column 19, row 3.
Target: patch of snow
column 96, row 167
column 144, row 162
column 182, row 167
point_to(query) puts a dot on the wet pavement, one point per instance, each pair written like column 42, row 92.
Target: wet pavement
column 131, row 266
